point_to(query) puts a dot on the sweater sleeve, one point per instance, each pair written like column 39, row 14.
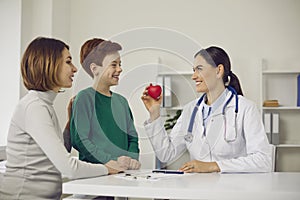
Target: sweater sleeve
column 43, row 131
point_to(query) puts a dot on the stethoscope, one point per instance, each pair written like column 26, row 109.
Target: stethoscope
column 189, row 136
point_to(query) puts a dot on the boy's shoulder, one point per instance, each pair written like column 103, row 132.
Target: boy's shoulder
column 86, row 93
column 119, row 96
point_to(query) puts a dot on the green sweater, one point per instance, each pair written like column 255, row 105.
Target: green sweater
column 102, row 127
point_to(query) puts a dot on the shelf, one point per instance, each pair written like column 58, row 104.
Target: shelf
column 280, row 72
column 288, row 145
column 173, row 108
column 281, row 84
column 282, row 108
column 176, row 73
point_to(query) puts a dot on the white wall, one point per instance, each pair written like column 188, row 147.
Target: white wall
column 247, row 30
column 36, row 21
column 10, row 23
column 48, row 18
column 21, row 22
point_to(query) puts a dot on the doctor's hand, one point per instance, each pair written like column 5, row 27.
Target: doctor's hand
column 151, row 104
column 114, row 167
column 199, row 166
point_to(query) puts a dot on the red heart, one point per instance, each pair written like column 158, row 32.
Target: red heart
column 154, row 91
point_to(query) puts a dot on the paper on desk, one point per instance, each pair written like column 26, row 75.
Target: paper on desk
column 138, row 175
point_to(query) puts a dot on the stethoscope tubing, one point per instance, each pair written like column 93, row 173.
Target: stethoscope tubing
column 189, row 136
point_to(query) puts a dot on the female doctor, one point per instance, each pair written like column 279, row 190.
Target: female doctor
column 222, row 130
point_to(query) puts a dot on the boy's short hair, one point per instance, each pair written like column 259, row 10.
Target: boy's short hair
column 94, row 51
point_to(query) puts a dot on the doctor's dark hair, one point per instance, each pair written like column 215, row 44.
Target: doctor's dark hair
column 40, row 63
column 94, row 51
column 216, row 56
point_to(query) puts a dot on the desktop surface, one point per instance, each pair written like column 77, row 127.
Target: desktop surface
column 274, row 185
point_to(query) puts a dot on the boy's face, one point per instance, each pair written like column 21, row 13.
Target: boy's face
column 112, row 69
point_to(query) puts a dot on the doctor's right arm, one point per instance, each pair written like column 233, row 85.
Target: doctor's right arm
column 166, row 146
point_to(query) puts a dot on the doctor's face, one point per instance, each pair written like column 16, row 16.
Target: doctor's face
column 204, row 75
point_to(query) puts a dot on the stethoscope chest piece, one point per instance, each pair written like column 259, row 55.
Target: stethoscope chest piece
column 188, row 137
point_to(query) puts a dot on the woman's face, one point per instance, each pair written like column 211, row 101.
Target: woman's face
column 112, row 69
column 205, row 75
column 66, row 71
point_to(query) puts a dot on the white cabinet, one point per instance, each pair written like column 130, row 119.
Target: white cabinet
column 281, row 85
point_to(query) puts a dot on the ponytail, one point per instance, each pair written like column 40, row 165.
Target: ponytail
column 235, row 83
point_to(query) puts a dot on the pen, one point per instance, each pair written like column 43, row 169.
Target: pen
column 137, row 176
column 167, row 171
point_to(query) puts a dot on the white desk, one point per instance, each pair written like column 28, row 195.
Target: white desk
column 194, row 186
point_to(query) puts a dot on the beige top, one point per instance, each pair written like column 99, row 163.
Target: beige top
column 36, row 156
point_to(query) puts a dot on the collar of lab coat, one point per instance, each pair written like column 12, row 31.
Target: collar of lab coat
column 219, row 110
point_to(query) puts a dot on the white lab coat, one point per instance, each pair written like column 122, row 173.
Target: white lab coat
column 250, row 152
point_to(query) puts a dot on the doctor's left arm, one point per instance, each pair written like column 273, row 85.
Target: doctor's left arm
column 200, row 166
column 258, row 156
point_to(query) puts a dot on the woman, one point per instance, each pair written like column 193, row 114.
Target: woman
column 36, row 156
column 222, row 130
column 102, row 127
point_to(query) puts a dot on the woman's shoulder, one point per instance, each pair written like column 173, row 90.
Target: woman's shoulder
column 246, row 103
column 31, row 99
column 31, row 103
column 246, row 100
